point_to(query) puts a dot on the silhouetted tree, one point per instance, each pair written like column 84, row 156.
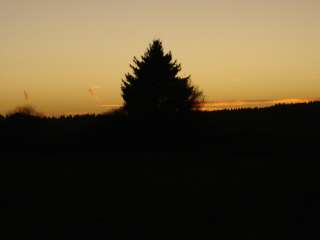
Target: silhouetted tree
column 155, row 88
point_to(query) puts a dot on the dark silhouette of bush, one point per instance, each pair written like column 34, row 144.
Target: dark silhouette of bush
column 155, row 88
column 24, row 111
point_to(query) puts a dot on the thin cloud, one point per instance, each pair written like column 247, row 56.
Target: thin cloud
column 234, row 104
column 93, row 92
column 109, row 105
column 26, row 95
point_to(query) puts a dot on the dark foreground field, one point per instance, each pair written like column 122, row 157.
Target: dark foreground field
column 250, row 174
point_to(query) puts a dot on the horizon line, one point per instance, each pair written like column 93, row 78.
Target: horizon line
column 251, row 103
column 211, row 105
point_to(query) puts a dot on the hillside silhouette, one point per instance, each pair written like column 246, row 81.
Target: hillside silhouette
column 247, row 173
column 263, row 128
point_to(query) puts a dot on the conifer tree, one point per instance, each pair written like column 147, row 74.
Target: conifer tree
column 154, row 87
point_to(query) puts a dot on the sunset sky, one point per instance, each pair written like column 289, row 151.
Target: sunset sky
column 69, row 56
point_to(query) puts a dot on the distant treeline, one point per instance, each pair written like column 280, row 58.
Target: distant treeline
column 243, row 128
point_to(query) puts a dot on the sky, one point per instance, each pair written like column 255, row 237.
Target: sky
column 69, row 56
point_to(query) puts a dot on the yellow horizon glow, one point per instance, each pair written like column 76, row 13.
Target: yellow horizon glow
column 237, row 104
column 206, row 106
column 70, row 56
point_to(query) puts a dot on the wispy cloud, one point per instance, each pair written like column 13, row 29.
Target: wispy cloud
column 93, row 91
column 234, row 104
column 109, row 105
column 26, row 96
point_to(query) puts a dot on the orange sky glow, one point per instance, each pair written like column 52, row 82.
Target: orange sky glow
column 69, row 56
column 236, row 104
